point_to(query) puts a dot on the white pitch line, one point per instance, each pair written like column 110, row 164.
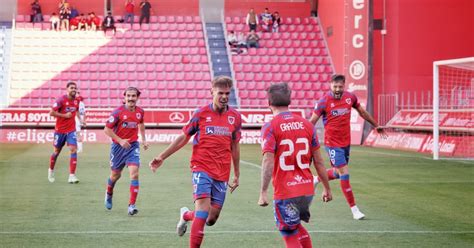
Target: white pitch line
column 236, row 232
column 251, row 164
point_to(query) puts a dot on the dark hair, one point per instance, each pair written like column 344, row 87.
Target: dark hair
column 132, row 88
column 279, row 95
column 222, row 81
column 71, row 83
column 338, row 78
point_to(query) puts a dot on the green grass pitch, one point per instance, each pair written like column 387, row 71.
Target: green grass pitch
column 409, row 200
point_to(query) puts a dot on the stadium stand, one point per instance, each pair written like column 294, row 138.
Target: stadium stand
column 296, row 55
column 163, row 57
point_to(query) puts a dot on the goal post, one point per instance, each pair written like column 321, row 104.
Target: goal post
column 453, row 108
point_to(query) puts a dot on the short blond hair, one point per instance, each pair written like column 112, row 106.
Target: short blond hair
column 222, row 81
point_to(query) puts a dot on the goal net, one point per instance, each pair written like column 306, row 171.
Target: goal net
column 453, row 109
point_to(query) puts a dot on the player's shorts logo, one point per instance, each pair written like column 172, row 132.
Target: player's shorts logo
column 231, row 120
column 176, row 117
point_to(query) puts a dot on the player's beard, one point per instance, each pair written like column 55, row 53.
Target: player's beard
column 337, row 95
column 72, row 94
column 131, row 103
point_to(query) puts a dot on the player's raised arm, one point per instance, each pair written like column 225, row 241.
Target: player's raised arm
column 267, row 170
column 177, row 144
column 364, row 114
column 321, row 170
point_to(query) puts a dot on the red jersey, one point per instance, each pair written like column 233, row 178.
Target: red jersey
column 292, row 139
column 125, row 122
column 214, row 134
column 64, row 105
column 336, row 118
column 129, row 8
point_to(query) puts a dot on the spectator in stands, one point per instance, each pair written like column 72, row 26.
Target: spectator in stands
column 129, row 11
column 94, row 21
column 252, row 20
column 232, row 39
column 242, row 40
column 276, row 21
column 36, row 15
column 74, row 12
column 109, row 23
column 63, row 6
column 64, row 16
column 74, row 23
column 54, row 19
column 266, row 18
column 145, row 7
column 252, row 39
column 82, row 25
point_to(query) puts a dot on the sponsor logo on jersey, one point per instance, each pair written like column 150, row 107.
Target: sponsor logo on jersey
column 131, row 124
column 339, row 112
column 298, row 180
column 216, row 130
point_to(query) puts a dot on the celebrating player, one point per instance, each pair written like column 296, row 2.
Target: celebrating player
column 122, row 127
column 335, row 107
column 216, row 129
column 64, row 109
column 289, row 145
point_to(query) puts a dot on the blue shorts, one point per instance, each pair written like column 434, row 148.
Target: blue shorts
column 290, row 212
column 206, row 187
column 61, row 138
column 339, row 156
column 119, row 156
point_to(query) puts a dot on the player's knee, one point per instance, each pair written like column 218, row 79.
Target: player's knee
column 73, row 149
column 211, row 221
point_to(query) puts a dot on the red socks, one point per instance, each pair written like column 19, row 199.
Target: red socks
column 134, row 187
column 347, row 190
column 197, row 229
column 73, row 163
column 304, row 238
column 52, row 160
column 291, row 240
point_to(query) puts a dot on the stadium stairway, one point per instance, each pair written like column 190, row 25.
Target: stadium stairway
column 5, row 51
column 219, row 55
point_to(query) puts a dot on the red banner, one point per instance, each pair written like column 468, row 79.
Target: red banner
column 457, row 146
column 44, row 136
column 153, row 117
column 450, row 120
column 356, row 58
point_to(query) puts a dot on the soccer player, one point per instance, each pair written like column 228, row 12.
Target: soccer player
column 289, row 146
column 217, row 129
column 335, row 107
column 64, row 109
column 80, row 122
column 122, row 127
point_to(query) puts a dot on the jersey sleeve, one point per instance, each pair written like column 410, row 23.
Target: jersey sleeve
column 268, row 139
column 193, row 125
column 113, row 119
column 314, row 140
column 237, row 134
column 57, row 104
column 320, row 107
column 355, row 101
column 142, row 119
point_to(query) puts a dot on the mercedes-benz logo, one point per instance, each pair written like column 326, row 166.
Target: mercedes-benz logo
column 176, row 117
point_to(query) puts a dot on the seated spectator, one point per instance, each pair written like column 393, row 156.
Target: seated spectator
column 54, row 19
column 108, row 23
column 232, row 39
column 74, row 23
column 266, row 20
column 82, row 25
column 36, row 15
column 276, row 20
column 94, row 21
column 252, row 40
column 252, row 20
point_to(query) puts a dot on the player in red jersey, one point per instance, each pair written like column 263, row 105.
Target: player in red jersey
column 64, row 109
column 123, row 126
column 335, row 108
column 289, row 145
column 216, row 129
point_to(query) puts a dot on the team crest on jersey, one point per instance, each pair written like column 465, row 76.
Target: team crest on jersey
column 231, row 120
column 139, row 116
column 348, row 100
